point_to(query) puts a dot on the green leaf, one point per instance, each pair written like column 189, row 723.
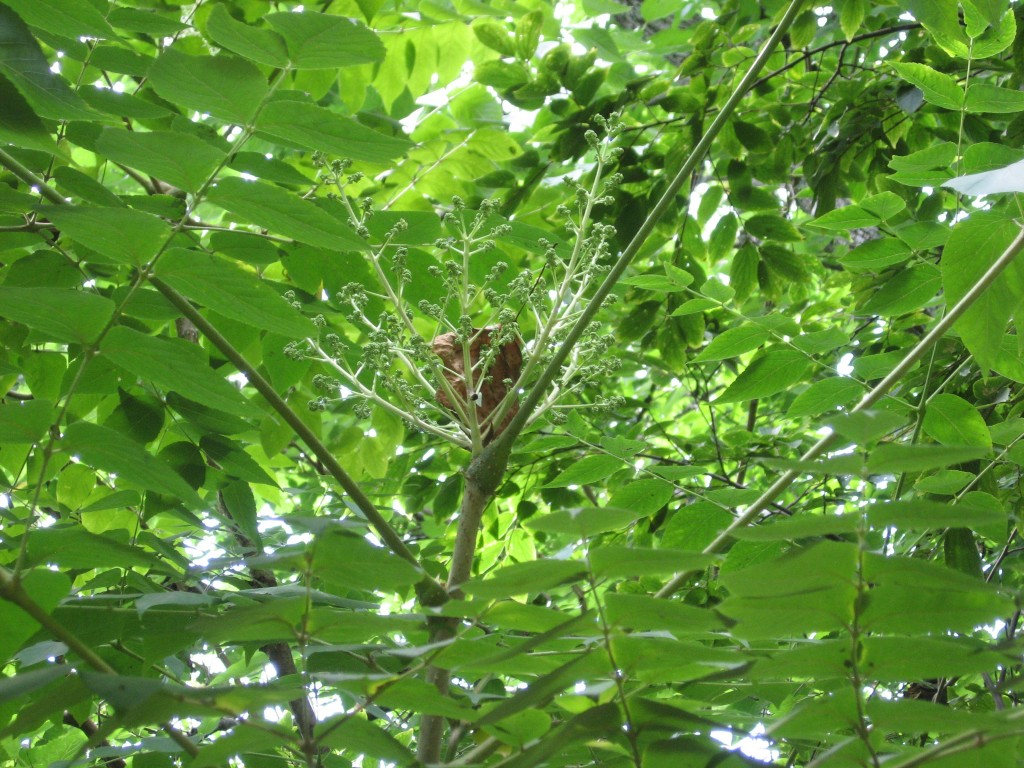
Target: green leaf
column 114, row 234
column 973, row 246
column 990, row 156
column 960, row 549
column 922, row 515
column 308, row 126
column 771, row 372
column 893, row 458
column 24, row 423
column 528, row 33
column 808, row 589
column 912, row 595
column 920, row 658
column 876, row 255
column 589, row 469
column 992, row 10
column 346, row 561
column 615, row 562
column 146, row 22
column 69, row 18
column 783, row 262
column 723, row 237
column 733, row 342
column 176, row 365
column 585, row 522
column 909, row 289
column 938, row 89
column 821, row 342
column 941, row 19
column 57, row 314
column 645, row 496
column 247, row 740
column 539, row 691
column 494, row 35
column 825, row 395
column 864, row 427
column 924, row 235
column 600, row 719
column 320, row 41
column 987, row 98
column 851, row 16
column 176, row 158
column 273, row 208
column 945, row 482
column 939, row 155
column 73, row 547
column 501, row 74
column 526, row 578
column 232, row 291
column 46, row 588
column 645, row 614
column 802, row 527
column 655, row 282
column 30, row 681
column 951, row 420
column 23, row 64
column 19, row 124
column 263, row 46
column 771, row 227
column 225, row 86
column 357, row 736
column 108, row 450
column 885, row 205
column 693, row 306
column 845, row 218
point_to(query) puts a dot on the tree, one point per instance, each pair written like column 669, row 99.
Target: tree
column 510, row 384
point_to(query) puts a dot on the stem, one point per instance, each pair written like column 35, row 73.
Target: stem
column 894, row 30
column 431, row 589
column 474, row 502
column 863, row 727
column 872, row 397
column 31, row 179
column 618, row 676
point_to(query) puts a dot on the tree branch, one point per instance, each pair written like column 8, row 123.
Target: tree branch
column 31, row 179
column 835, row 44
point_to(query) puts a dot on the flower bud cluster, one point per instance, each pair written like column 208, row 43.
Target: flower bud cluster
column 384, row 356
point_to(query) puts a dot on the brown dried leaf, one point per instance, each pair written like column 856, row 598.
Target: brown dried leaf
column 506, row 365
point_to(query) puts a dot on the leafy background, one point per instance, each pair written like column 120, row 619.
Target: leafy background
column 711, row 555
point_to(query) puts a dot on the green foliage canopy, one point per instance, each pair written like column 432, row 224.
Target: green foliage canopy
column 510, row 384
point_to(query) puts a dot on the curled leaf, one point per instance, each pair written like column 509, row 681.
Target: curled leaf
column 491, row 380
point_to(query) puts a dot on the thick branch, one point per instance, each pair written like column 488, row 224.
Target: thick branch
column 31, row 179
